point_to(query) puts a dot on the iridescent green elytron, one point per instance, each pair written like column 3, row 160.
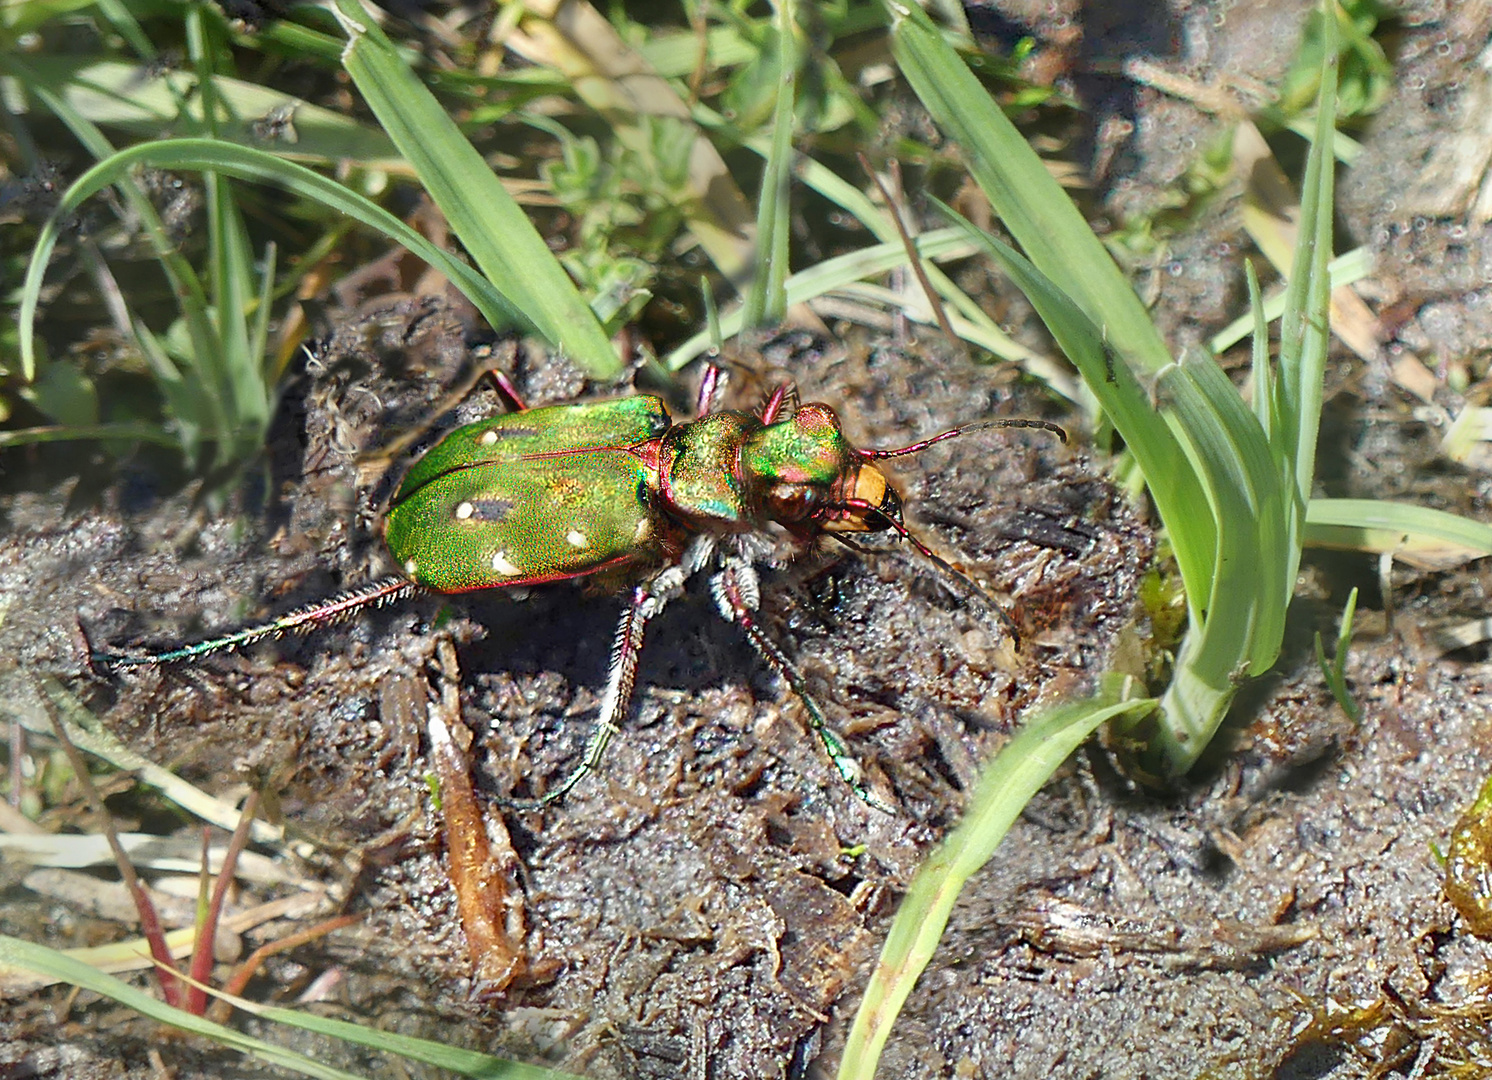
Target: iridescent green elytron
column 529, row 497
column 567, row 491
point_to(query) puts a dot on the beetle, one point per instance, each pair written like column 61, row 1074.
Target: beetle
column 559, row 492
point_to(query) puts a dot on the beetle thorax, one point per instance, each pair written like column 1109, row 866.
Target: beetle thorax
column 730, row 472
column 699, row 471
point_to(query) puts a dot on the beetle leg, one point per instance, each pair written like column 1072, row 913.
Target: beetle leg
column 300, row 621
column 782, row 401
column 506, row 390
column 711, row 390
column 736, row 593
column 648, row 599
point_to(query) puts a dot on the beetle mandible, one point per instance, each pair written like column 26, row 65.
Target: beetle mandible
column 558, row 492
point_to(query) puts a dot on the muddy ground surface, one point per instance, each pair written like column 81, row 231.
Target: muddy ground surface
column 712, row 903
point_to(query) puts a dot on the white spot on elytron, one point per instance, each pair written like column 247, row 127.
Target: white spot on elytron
column 488, row 438
column 577, row 539
column 643, row 530
column 502, row 566
column 410, row 566
column 464, row 510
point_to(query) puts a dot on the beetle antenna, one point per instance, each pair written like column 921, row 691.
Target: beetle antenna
column 300, row 621
column 970, row 586
column 964, row 429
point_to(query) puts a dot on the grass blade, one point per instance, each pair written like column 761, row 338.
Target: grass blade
column 828, row 275
column 1417, row 535
column 766, row 301
column 604, row 70
column 1016, row 774
column 459, row 1061
column 16, row 954
column 135, row 99
column 491, row 226
column 1028, row 199
column 1238, row 623
column 23, row 956
column 248, row 163
column 185, row 286
column 1305, row 335
column 1173, row 481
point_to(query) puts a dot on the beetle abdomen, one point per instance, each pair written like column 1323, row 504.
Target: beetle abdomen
column 528, row 497
column 524, row 522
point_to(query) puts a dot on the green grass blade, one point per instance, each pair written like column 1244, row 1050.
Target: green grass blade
column 1229, row 450
column 1016, row 774
column 978, row 328
column 185, row 285
column 1305, row 335
column 491, row 226
column 128, row 431
column 1028, row 199
column 459, row 1061
column 991, row 339
column 259, row 328
column 766, row 302
column 983, row 331
column 828, row 275
column 1258, row 486
column 1173, row 481
column 1334, row 671
column 1418, row 535
column 1237, row 630
column 1259, row 366
column 238, row 373
column 1344, row 270
column 135, row 99
column 184, row 399
column 18, row 955
column 122, row 20
column 296, row 40
column 677, row 54
column 248, row 163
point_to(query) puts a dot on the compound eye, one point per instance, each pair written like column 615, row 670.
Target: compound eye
column 792, row 503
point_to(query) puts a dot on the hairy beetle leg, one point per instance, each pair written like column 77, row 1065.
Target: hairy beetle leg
column 300, row 621
column 735, row 590
column 648, row 599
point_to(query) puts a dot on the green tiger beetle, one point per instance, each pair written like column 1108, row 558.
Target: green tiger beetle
column 557, row 492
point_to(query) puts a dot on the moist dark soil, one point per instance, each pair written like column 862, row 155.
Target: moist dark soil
column 711, row 902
